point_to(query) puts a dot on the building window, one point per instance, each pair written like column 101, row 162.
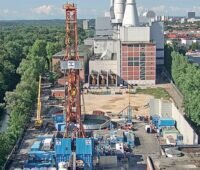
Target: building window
column 142, row 64
column 136, row 59
column 142, row 77
column 130, row 58
column 136, row 45
column 130, row 45
column 142, row 45
column 130, row 63
column 142, row 54
column 142, row 58
column 136, row 63
column 142, row 70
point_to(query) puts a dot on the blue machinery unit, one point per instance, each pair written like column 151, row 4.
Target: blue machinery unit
column 63, row 150
column 85, row 151
column 166, row 122
column 82, row 147
column 159, row 122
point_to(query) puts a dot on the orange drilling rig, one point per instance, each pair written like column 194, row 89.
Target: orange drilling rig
column 72, row 66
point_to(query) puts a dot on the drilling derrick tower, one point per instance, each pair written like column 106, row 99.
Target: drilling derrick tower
column 72, row 66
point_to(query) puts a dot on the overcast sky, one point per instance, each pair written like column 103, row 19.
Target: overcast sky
column 52, row 9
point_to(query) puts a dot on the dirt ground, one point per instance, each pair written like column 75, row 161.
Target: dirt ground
column 116, row 103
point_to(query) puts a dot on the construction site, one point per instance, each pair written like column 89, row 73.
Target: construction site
column 99, row 121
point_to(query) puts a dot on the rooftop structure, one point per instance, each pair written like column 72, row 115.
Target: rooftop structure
column 182, row 157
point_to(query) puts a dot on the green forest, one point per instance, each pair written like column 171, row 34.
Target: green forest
column 186, row 76
column 26, row 49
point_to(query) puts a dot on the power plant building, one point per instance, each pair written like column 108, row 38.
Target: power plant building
column 129, row 52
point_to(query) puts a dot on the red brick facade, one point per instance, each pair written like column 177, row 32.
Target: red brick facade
column 138, row 62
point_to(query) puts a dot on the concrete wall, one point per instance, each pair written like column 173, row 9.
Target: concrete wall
column 105, row 65
column 101, row 45
column 189, row 136
column 135, row 34
column 168, row 109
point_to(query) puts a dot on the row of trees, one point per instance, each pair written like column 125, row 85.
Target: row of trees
column 21, row 101
column 24, row 52
column 186, row 76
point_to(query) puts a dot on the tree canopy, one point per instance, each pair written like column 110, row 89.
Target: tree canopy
column 186, row 76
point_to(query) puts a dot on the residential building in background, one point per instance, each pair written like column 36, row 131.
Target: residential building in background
column 85, row 24
column 191, row 15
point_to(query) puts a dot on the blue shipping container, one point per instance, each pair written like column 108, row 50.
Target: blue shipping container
column 88, row 161
column 36, row 146
column 63, row 146
column 59, row 126
column 58, row 118
column 166, row 122
column 84, row 146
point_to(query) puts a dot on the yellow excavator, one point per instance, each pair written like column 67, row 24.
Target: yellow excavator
column 39, row 121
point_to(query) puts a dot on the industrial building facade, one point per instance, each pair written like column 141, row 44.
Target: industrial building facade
column 133, row 48
column 138, row 63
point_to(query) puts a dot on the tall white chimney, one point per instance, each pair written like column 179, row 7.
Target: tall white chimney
column 131, row 15
column 119, row 10
column 111, row 3
column 112, row 14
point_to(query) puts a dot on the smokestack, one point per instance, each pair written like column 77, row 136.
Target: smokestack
column 119, row 10
column 112, row 14
column 131, row 15
column 111, row 3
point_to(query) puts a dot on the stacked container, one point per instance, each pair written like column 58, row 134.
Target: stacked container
column 63, row 149
column 84, row 151
column 166, row 122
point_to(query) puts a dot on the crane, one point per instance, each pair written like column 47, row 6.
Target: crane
column 39, row 121
column 72, row 66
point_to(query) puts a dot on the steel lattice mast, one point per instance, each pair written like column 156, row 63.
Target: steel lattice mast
column 74, row 127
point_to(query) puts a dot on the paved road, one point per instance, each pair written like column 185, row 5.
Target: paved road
column 147, row 145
